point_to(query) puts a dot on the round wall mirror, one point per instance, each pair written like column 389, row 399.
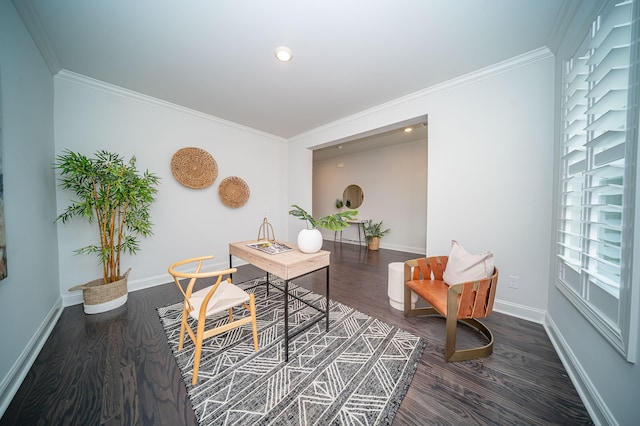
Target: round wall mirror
column 352, row 197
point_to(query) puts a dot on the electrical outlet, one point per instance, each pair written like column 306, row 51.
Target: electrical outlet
column 512, row 281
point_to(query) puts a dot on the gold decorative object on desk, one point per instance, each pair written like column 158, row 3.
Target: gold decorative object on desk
column 265, row 232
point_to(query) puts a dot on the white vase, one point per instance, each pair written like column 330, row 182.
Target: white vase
column 309, row 240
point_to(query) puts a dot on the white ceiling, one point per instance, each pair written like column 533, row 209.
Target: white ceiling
column 217, row 56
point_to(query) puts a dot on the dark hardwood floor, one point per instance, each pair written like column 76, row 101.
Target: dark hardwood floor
column 117, row 369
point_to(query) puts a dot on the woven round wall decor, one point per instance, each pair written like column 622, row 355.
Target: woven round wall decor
column 233, row 192
column 194, row 167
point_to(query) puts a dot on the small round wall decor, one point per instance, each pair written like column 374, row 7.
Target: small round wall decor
column 194, row 167
column 233, row 192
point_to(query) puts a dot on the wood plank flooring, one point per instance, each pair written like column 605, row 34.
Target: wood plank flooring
column 117, row 369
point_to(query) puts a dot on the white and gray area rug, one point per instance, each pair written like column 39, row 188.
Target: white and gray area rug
column 355, row 374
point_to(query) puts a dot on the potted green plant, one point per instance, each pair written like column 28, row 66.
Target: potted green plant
column 113, row 194
column 339, row 203
column 373, row 232
column 310, row 239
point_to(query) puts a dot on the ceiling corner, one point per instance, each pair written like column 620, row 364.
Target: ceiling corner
column 31, row 21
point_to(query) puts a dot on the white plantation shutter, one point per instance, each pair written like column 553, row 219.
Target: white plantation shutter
column 595, row 169
column 573, row 160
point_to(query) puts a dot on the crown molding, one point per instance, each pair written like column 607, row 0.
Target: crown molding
column 525, row 59
column 567, row 11
column 573, row 24
column 32, row 22
column 139, row 97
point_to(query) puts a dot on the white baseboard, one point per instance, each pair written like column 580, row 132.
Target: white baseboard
column 75, row 297
column 417, row 250
column 12, row 381
column 407, row 249
column 597, row 408
column 519, row 311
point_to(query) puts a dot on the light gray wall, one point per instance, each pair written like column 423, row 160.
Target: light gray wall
column 92, row 115
column 490, row 167
column 394, row 182
column 29, row 296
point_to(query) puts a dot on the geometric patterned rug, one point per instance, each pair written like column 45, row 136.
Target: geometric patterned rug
column 357, row 373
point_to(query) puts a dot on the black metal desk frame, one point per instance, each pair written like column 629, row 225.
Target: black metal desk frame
column 286, row 295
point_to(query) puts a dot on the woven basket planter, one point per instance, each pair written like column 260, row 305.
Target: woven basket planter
column 374, row 244
column 100, row 297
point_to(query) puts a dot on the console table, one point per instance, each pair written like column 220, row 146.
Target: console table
column 288, row 265
column 359, row 223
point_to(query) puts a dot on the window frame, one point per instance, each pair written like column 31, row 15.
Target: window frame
column 573, row 280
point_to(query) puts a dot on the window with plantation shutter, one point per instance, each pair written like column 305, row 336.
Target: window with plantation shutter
column 597, row 176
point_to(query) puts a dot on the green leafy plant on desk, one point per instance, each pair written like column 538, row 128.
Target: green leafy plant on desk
column 332, row 222
column 310, row 239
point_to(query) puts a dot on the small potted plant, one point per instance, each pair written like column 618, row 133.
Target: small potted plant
column 373, row 232
column 339, row 203
column 117, row 197
column 310, row 239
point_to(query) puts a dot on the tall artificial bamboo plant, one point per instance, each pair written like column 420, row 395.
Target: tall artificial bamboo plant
column 115, row 195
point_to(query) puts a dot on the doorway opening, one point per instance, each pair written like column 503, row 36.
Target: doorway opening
column 389, row 165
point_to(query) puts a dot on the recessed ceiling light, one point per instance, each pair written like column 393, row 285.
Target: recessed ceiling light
column 408, row 129
column 284, row 54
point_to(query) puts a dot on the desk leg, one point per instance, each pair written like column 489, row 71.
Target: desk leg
column 286, row 314
column 230, row 266
column 327, row 306
column 267, row 284
column 286, row 321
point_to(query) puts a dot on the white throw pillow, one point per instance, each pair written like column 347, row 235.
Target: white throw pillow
column 463, row 266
